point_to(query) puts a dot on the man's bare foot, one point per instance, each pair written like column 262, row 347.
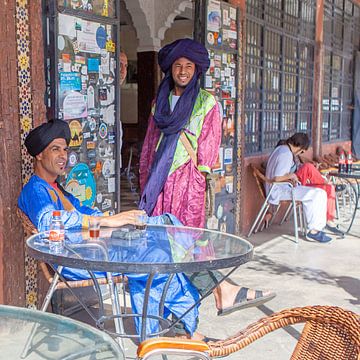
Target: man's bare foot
column 196, row 336
column 229, row 297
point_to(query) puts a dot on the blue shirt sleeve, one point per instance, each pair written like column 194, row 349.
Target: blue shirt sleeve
column 35, row 201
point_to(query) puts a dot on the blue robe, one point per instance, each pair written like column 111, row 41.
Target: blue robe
column 37, row 203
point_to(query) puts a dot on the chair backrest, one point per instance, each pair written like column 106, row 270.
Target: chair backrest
column 330, row 333
column 26, row 223
column 261, row 179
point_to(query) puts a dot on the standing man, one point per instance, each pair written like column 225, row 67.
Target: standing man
column 170, row 181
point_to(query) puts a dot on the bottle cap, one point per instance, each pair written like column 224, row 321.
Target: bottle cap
column 56, row 213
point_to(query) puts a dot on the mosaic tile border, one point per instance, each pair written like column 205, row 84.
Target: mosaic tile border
column 26, row 124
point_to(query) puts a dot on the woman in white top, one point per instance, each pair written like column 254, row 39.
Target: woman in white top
column 281, row 167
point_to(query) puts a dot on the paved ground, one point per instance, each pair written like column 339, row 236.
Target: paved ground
column 302, row 274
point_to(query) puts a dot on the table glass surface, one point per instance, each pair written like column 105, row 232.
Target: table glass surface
column 354, row 174
column 157, row 248
column 55, row 337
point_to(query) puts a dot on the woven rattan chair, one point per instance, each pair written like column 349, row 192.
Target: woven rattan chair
column 295, row 206
column 29, row 229
column 330, row 333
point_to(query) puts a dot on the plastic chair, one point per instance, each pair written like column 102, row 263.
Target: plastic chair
column 330, row 333
column 295, row 206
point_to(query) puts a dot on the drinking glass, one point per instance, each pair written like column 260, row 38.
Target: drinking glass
column 94, row 228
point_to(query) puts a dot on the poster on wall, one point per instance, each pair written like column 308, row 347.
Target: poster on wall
column 86, row 99
column 219, row 33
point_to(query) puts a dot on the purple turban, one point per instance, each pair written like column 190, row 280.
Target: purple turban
column 187, row 48
column 40, row 137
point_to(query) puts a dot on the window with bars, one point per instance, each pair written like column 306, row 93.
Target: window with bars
column 341, row 40
column 279, row 71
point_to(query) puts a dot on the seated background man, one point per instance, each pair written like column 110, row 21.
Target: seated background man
column 42, row 194
column 281, row 166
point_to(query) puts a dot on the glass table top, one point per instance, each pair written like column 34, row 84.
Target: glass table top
column 55, row 337
column 157, row 248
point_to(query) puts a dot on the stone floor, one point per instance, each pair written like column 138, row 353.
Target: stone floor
column 306, row 273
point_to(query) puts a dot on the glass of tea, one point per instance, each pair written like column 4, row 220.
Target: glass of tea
column 94, row 228
column 141, row 221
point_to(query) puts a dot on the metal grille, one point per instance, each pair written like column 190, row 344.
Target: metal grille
column 279, row 71
column 341, row 39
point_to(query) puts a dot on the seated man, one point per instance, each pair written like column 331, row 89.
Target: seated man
column 42, row 194
column 281, row 166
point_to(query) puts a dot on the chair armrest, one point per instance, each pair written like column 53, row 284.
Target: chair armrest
column 166, row 343
column 282, row 183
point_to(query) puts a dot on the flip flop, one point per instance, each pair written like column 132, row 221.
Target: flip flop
column 209, row 339
column 241, row 301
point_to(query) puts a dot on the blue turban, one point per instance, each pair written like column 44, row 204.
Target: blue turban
column 187, row 48
column 40, row 137
column 172, row 123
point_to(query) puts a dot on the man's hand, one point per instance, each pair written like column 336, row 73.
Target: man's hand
column 293, row 179
column 123, row 218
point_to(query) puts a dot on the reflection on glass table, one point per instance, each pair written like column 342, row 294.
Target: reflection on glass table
column 153, row 259
column 55, row 337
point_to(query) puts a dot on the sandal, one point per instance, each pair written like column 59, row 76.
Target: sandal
column 242, row 302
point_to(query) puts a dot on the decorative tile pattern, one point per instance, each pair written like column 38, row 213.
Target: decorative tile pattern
column 26, row 124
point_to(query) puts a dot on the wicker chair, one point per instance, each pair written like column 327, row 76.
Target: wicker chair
column 330, row 333
column 29, row 229
column 261, row 180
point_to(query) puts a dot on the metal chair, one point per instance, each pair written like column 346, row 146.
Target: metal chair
column 295, row 206
column 330, row 333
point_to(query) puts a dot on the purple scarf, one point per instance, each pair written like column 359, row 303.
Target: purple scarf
column 171, row 123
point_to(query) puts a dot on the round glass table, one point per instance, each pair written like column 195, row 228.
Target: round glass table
column 51, row 336
column 155, row 249
column 152, row 251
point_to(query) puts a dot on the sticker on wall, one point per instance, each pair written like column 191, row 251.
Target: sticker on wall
column 212, row 223
column 108, row 114
column 99, row 198
column 87, row 37
column 76, row 133
column 106, row 204
column 219, row 212
column 67, row 25
column 110, row 46
column 228, row 156
column 91, row 154
column 229, row 184
column 80, row 59
column 210, row 38
column 106, row 169
column 111, row 137
column 70, row 81
column 101, row 37
column 92, row 123
column 81, row 183
column 72, row 159
column 90, row 145
column 93, row 65
column 75, row 106
column 103, row 130
column 61, row 43
column 214, row 16
column 111, row 185
column 90, row 97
